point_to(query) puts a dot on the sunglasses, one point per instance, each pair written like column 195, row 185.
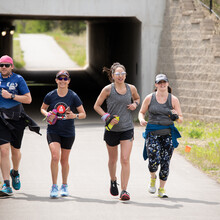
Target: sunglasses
column 118, row 73
column 5, row 64
column 61, row 78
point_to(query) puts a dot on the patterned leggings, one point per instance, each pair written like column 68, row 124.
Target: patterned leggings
column 159, row 150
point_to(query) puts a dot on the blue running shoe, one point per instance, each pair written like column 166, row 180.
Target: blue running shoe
column 54, row 191
column 6, row 191
column 64, row 190
column 15, row 181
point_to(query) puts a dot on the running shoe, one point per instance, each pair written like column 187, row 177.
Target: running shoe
column 54, row 191
column 15, row 181
column 152, row 188
column 6, row 191
column 64, row 190
column 162, row 193
column 124, row 195
column 114, row 188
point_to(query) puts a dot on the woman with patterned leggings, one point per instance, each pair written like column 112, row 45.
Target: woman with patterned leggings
column 161, row 134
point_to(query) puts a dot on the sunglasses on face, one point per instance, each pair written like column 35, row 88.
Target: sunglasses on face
column 5, row 64
column 63, row 78
column 118, row 73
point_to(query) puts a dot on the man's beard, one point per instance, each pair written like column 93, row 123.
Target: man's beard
column 7, row 75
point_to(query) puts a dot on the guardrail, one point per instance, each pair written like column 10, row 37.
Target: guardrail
column 209, row 7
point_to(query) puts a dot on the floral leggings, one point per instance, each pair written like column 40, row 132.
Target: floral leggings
column 159, row 150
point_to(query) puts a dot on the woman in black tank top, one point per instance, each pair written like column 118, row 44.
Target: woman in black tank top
column 121, row 99
column 164, row 109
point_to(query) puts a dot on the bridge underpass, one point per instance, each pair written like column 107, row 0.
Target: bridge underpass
column 109, row 40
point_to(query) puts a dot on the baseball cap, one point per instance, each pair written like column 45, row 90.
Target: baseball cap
column 63, row 73
column 6, row 59
column 161, row 77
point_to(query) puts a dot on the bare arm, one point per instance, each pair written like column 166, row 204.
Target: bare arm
column 81, row 115
column 136, row 98
column 177, row 109
column 43, row 109
column 26, row 98
column 143, row 110
column 101, row 98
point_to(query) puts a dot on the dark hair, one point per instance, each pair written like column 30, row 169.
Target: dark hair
column 112, row 70
column 168, row 88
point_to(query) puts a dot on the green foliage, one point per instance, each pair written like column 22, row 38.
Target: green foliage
column 70, row 27
column 33, row 26
column 18, row 54
column 42, row 26
column 195, row 133
column 204, row 139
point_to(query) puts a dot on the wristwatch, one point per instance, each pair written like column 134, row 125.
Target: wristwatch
column 77, row 116
column 12, row 96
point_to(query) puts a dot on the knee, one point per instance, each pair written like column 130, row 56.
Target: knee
column 125, row 161
column 112, row 161
column 4, row 152
column 64, row 162
column 55, row 158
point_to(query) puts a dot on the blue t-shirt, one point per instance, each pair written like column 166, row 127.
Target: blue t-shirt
column 14, row 84
column 62, row 127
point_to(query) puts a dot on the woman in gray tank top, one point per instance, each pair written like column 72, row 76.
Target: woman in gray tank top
column 121, row 99
column 163, row 109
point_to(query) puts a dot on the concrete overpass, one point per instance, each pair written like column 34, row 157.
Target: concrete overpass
column 127, row 31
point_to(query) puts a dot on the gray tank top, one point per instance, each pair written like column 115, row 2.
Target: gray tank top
column 158, row 113
column 117, row 105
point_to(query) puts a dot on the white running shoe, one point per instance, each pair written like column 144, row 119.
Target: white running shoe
column 152, row 188
column 162, row 193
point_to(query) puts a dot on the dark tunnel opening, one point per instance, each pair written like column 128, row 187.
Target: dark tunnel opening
column 109, row 40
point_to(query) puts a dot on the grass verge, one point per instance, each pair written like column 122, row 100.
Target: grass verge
column 204, row 139
column 74, row 45
column 18, row 55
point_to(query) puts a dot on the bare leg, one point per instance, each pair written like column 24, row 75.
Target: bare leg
column 65, row 164
column 162, row 183
column 126, row 147
column 15, row 157
column 55, row 158
column 5, row 161
column 112, row 163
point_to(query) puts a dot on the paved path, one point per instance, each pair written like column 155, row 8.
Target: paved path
column 192, row 195
column 41, row 52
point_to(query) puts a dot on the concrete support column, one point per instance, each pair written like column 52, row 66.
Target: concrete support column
column 6, row 42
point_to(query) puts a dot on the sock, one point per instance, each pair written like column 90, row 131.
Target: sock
column 7, row 183
column 15, row 173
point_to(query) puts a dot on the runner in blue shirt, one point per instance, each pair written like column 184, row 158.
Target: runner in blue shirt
column 58, row 107
column 13, row 92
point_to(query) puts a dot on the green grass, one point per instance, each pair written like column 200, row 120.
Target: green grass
column 215, row 5
column 204, row 138
column 74, row 45
column 18, row 55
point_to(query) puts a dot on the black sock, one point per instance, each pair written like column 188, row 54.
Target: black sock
column 7, row 183
column 15, row 173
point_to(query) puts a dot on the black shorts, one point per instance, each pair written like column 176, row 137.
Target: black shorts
column 113, row 138
column 13, row 137
column 65, row 142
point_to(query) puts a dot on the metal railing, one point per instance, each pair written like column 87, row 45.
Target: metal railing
column 209, row 7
